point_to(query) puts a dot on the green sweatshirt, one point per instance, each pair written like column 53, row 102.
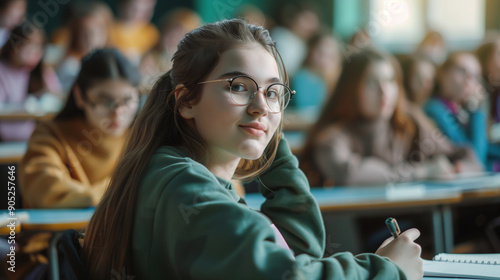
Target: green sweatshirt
column 189, row 225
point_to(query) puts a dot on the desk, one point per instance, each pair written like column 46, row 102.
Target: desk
column 340, row 206
column 17, row 112
column 12, row 152
column 52, row 219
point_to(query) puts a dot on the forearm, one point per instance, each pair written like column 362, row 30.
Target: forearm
column 290, row 204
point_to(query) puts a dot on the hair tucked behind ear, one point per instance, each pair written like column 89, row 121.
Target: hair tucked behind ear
column 159, row 123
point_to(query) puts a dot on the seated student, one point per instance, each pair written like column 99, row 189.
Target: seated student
column 433, row 47
column 419, row 74
column 319, row 73
column 158, row 60
column 22, row 74
column 70, row 159
column 457, row 106
column 364, row 135
column 12, row 13
column 132, row 33
column 214, row 116
column 489, row 58
column 89, row 31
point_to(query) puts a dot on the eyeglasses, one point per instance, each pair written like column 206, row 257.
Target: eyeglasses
column 243, row 89
column 107, row 106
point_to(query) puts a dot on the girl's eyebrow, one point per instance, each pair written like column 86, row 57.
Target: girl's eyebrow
column 232, row 74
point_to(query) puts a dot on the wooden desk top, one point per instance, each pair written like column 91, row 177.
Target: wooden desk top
column 53, row 219
column 12, row 152
column 376, row 197
column 405, row 195
column 17, row 112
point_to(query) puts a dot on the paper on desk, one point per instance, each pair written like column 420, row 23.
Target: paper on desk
column 404, row 192
column 461, row 270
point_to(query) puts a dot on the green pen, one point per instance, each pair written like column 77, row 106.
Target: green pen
column 393, row 226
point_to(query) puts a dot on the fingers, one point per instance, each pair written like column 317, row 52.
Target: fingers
column 412, row 234
column 387, row 241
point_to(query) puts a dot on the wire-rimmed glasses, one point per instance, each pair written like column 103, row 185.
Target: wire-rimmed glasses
column 243, row 89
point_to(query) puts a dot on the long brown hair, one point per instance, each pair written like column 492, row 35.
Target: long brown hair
column 343, row 106
column 108, row 237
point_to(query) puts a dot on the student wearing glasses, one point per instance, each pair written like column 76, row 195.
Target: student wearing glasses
column 171, row 210
column 458, row 103
column 70, row 159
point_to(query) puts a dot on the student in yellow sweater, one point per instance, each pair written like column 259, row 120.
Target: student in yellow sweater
column 70, row 159
column 171, row 211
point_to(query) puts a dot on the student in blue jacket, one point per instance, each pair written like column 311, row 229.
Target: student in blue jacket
column 457, row 106
column 171, row 211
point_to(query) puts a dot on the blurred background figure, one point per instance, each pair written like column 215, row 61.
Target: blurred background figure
column 133, row 34
column 364, row 136
column 297, row 22
column 458, row 104
column 12, row 13
column 24, row 77
column 253, row 15
column 433, row 46
column 70, row 159
column 175, row 24
column 358, row 41
column 319, row 73
column 419, row 74
column 60, row 38
column 88, row 30
column 489, row 58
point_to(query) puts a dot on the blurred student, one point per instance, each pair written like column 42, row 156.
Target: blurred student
column 489, row 58
column 89, row 30
column 253, row 15
column 22, row 74
column 171, row 208
column 364, row 136
column 433, row 46
column 319, row 73
column 61, row 37
column 70, row 159
column 297, row 23
column 419, row 74
column 458, row 105
column 158, row 60
column 12, row 13
column 132, row 33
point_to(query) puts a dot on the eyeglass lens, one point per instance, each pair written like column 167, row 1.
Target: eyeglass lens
column 244, row 89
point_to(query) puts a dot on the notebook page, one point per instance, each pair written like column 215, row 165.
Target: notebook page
column 469, row 258
column 461, row 270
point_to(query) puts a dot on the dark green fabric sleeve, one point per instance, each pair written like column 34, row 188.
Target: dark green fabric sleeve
column 189, row 226
column 290, row 204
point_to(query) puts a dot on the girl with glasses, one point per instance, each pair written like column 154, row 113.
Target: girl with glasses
column 170, row 210
column 70, row 159
column 458, row 103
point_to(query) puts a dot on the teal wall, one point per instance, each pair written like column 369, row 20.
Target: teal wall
column 343, row 16
column 211, row 11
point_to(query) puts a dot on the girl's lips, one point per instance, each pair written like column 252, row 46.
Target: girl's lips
column 256, row 129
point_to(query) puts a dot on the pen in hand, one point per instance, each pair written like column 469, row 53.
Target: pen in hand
column 393, row 226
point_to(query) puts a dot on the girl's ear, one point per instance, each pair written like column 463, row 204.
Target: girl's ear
column 185, row 109
column 77, row 92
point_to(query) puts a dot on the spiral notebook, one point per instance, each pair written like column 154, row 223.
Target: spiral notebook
column 472, row 266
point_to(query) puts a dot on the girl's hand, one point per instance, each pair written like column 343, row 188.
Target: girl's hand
column 405, row 253
column 437, row 167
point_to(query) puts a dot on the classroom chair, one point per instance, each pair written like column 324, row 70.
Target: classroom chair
column 65, row 257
